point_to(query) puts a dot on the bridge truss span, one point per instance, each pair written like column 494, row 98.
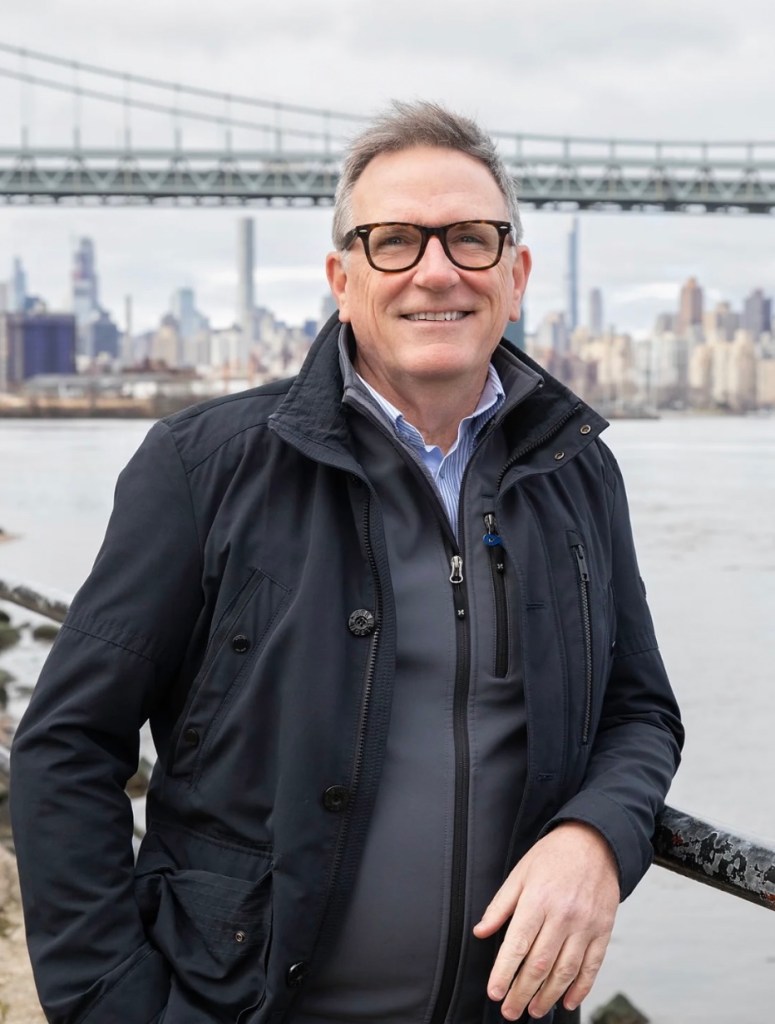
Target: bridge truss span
column 308, row 177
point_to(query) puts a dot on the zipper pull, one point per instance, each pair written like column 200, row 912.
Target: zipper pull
column 492, row 537
column 457, row 569
column 578, row 550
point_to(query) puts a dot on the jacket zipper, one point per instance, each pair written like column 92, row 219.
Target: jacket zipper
column 494, row 544
column 462, row 786
column 583, row 579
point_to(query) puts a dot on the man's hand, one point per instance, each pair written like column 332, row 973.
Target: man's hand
column 563, row 896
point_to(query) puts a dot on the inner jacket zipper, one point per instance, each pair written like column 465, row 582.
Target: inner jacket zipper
column 583, row 575
column 462, row 785
column 494, row 544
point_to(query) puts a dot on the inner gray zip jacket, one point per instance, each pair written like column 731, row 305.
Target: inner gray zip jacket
column 242, row 602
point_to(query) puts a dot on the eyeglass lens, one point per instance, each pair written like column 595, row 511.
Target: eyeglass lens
column 471, row 245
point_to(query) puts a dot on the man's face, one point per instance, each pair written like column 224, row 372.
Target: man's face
column 395, row 350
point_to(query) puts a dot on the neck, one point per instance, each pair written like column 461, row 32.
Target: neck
column 434, row 408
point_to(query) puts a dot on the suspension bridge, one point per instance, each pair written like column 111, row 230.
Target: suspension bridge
column 133, row 139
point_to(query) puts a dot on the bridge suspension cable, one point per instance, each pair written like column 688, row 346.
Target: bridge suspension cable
column 299, row 162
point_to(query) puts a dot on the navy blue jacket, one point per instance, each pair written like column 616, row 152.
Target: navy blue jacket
column 220, row 607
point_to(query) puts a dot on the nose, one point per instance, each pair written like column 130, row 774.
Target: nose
column 435, row 270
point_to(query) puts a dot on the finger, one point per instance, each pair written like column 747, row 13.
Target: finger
column 531, row 976
column 587, row 973
column 499, row 910
column 517, row 944
column 562, row 975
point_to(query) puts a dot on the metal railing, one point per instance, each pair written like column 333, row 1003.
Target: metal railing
column 697, row 849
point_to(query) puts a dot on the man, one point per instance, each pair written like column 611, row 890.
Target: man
column 387, row 624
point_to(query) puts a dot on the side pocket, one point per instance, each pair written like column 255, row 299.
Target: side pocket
column 214, row 931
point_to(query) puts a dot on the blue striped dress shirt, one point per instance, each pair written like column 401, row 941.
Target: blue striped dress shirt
column 446, row 471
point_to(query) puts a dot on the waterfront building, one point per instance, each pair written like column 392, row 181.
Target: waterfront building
column 31, row 344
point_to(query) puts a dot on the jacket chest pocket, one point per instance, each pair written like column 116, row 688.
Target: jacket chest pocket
column 232, row 651
column 590, row 653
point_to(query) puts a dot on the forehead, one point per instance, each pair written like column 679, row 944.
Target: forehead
column 427, row 185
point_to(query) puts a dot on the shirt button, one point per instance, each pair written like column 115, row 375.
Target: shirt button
column 361, row 622
column 240, row 643
column 296, row 974
column 191, row 738
column 335, row 798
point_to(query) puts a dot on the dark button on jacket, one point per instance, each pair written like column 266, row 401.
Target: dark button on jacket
column 361, row 622
column 335, row 798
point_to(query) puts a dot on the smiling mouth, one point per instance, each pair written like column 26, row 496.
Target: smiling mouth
column 446, row 315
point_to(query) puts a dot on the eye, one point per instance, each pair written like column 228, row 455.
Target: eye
column 471, row 235
column 393, row 236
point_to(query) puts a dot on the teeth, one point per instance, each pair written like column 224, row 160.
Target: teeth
column 449, row 315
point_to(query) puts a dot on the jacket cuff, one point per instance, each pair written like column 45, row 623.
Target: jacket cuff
column 632, row 851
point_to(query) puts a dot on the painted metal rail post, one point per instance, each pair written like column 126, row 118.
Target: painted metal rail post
column 697, row 849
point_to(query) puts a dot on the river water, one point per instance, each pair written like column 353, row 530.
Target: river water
column 702, row 495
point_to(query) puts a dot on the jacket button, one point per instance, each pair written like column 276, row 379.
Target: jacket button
column 559, row 455
column 191, row 738
column 361, row 622
column 335, row 798
column 239, row 936
column 240, row 643
column 296, row 974
column 585, row 429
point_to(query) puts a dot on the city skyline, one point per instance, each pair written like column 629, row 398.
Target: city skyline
column 294, row 291
column 699, row 71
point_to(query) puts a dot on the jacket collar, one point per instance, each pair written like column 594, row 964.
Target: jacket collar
column 313, row 418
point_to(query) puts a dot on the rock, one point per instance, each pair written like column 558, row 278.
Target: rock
column 6, row 677
column 46, row 631
column 4, row 616
column 618, row 1011
column 9, row 635
column 138, row 784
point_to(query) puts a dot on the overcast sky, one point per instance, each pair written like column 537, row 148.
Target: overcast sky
column 700, row 71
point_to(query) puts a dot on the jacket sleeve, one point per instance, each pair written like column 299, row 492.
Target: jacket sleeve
column 78, row 744
column 637, row 744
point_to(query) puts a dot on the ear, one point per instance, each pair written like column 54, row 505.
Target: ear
column 520, row 272
column 337, row 282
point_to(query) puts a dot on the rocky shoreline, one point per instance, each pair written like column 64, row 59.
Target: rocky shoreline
column 18, row 998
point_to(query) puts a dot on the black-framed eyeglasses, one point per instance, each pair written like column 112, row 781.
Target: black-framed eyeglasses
column 393, row 246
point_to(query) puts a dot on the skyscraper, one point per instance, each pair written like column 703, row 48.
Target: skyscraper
column 690, row 307
column 571, row 278
column 595, row 312
column 245, row 295
column 18, row 288
column 85, row 296
column 757, row 314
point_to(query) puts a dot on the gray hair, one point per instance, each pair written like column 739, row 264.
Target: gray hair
column 418, row 124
